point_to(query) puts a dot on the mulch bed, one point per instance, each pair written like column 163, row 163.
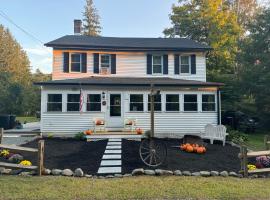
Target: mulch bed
column 70, row 153
column 216, row 158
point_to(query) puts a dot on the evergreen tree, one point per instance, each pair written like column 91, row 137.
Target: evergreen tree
column 91, row 24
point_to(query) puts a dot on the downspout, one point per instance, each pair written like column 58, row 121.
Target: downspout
column 218, row 107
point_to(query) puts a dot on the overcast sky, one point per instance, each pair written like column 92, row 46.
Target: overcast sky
column 51, row 19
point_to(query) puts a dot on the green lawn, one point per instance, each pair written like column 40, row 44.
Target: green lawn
column 256, row 141
column 55, row 188
column 27, row 119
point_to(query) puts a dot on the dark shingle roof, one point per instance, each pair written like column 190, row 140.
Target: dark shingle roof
column 129, row 44
column 129, row 81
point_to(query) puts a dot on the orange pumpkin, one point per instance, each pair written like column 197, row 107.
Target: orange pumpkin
column 189, row 148
column 139, row 131
column 200, row 150
column 195, row 148
column 183, row 147
column 204, row 149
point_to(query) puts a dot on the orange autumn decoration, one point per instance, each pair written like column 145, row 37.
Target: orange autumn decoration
column 193, row 148
column 139, row 131
column 88, row 132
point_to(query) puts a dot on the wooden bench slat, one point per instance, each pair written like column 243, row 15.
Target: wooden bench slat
column 18, row 148
column 259, row 170
column 11, row 165
column 258, row 153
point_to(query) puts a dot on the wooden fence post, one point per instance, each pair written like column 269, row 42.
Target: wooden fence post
column 1, row 135
column 40, row 157
column 266, row 142
column 245, row 161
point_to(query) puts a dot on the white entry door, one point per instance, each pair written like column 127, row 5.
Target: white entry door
column 115, row 110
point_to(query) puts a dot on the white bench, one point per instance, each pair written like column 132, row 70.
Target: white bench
column 214, row 133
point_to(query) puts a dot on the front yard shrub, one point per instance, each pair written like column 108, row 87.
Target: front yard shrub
column 237, row 137
column 80, row 136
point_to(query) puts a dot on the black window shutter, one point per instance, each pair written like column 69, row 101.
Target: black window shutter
column 66, row 62
column 84, row 62
column 113, row 63
column 96, row 63
column 165, row 64
column 193, row 64
column 176, row 64
column 149, row 64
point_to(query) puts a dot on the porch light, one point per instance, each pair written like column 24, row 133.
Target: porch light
column 103, row 95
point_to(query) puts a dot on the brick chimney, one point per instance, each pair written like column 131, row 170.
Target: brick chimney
column 77, row 27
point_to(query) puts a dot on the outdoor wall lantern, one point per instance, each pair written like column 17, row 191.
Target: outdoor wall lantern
column 103, row 95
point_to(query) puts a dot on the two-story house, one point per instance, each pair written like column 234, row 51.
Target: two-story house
column 115, row 75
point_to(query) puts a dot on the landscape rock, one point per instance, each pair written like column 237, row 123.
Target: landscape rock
column 186, row 173
column 101, row 177
column 177, row 173
column 5, row 171
column 205, row 173
column 2, row 169
column 240, row 176
column 78, row 172
column 109, row 176
column 149, row 172
column 137, row 172
column 127, row 175
column 118, row 176
column 15, row 171
column 161, row 172
column 47, row 172
column 88, row 176
column 16, row 158
column 214, row 173
column 25, row 174
column 195, row 174
column 224, row 174
column 233, row 174
column 67, row 172
column 56, row 172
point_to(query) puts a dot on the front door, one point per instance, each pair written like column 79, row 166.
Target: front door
column 115, row 115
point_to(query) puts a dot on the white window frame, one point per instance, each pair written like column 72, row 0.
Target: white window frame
column 209, row 102
column 179, row 102
column 94, row 111
column 67, row 102
column 161, row 102
column 180, row 64
column 190, row 102
column 129, row 102
column 70, row 62
column 153, row 64
column 47, row 98
column 110, row 63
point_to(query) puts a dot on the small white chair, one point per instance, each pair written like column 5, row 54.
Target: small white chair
column 130, row 124
column 99, row 126
column 214, row 133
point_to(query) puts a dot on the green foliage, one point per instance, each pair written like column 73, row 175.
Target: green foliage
column 91, row 24
column 80, row 136
column 50, row 136
column 237, row 136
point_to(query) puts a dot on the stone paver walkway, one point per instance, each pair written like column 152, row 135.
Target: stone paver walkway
column 111, row 162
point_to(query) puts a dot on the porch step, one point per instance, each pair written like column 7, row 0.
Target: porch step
column 99, row 136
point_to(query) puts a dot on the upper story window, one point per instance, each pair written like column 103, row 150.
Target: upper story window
column 73, row 102
column 157, row 102
column 136, row 102
column 94, row 102
column 75, row 62
column 157, row 64
column 190, row 102
column 54, row 102
column 172, row 102
column 105, row 63
column 208, row 102
column 185, row 65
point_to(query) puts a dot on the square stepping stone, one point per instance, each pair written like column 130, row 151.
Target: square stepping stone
column 113, row 147
column 114, row 143
column 111, row 163
column 119, row 151
column 109, row 170
column 112, row 156
column 115, row 140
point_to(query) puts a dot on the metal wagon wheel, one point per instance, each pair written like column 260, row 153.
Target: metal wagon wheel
column 153, row 152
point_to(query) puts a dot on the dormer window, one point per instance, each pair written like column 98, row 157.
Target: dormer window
column 185, row 66
column 157, row 65
column 75, row 62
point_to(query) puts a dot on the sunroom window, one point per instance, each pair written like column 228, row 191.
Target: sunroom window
column 157, row 102
column 94, row 102
column 136, row 102
column 185, row 64
column 208, row 102
column 75, row 62
column 73, row 102
column 157, row 64
column 54, row 103
column 172, row 102
column 190, row 102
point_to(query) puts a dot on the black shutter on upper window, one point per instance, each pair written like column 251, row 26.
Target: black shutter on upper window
column 176, row 64
column 149, row 64
column 165, row 64
column 113, row 63
column 96, row 63
column 193, row 64
column 84, row 62
column 66, row 62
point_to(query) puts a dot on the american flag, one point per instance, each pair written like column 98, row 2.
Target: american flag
column 81, row 100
